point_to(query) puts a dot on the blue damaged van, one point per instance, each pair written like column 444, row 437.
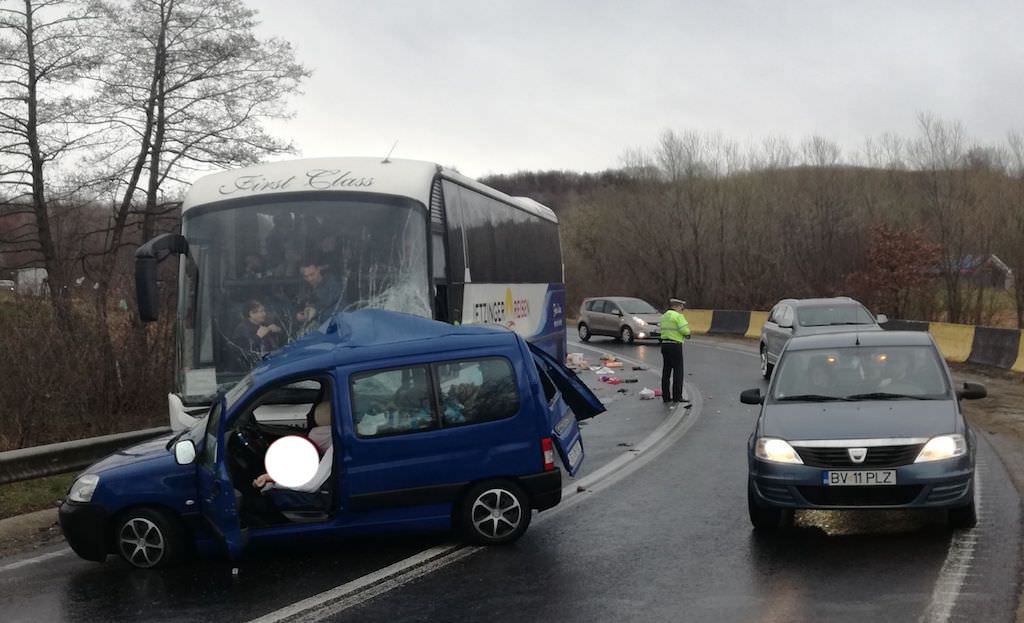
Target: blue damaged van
column 431, row 427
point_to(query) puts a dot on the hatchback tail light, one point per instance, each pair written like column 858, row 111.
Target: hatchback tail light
column 548, row 449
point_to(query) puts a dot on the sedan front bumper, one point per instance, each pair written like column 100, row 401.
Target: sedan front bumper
column 936, row 484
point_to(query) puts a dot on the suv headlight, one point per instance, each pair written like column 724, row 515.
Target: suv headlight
column 942, row 447
column 83, row 488
column 776, row 451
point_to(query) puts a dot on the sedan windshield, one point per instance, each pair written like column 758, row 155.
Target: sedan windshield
column 637, row 306
column 861, row 373
column 829, row 315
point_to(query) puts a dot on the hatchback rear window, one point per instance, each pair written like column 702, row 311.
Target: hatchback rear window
column 825, row 316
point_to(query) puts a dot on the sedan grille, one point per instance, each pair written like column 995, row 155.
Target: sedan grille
column 878, row 456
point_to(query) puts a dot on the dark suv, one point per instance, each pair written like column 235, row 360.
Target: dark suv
column 620, row 317
column 794, row 317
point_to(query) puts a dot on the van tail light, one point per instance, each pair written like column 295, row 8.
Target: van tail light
column 548, row 448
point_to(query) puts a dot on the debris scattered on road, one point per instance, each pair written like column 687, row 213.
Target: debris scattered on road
column 647, row 394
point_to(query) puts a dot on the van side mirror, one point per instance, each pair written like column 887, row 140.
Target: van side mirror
column 185, row 452
column 752, row 397
column 147, row 258
column 972, row 391
column 786, row 324
column 882, row 318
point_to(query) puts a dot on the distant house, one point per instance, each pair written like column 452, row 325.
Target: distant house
column 985, row 270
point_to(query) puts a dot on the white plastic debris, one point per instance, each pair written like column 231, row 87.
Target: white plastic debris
column 646, row 394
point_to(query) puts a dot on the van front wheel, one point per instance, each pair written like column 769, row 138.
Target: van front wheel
column 495, row 512
column 148, row 538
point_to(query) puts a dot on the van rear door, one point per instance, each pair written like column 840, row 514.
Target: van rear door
column 575, row 392
column 563, row 390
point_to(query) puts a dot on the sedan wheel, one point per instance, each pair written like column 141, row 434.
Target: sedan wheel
column 495, row 513
column 148, row 538
column 584, row 332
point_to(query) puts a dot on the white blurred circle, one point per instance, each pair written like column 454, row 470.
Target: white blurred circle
column 292, row 461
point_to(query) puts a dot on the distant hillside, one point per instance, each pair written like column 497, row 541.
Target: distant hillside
column 557, row 189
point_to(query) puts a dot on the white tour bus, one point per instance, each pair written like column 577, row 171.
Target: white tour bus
column 269, row 251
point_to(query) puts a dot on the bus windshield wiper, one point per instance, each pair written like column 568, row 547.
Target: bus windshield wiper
column 811, row 398
column 885, row 396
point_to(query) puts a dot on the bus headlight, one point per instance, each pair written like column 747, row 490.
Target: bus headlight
column 83, row 488
column 942, row 447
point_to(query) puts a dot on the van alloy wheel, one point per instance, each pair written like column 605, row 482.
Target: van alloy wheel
column 141, row 542
column 148, row 538
column 495, row 513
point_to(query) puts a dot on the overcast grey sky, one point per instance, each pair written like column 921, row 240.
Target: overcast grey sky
column 495, row 87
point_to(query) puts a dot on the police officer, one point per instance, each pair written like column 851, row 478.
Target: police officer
column 674, row 330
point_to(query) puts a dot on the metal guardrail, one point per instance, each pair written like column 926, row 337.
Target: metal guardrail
column 60, row 458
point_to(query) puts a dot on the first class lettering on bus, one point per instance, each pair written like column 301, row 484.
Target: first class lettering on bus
column 317, row 179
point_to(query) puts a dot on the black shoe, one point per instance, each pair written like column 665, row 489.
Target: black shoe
column 666, row 401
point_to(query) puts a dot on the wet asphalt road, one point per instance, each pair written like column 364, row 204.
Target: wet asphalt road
column 669, row 541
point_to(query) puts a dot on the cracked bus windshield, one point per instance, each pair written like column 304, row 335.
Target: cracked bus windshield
column 262, row 274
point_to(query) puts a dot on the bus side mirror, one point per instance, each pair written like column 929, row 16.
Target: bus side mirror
column 147, row 259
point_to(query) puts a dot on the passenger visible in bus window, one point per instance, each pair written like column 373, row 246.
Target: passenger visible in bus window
column 256, row 336
column 254, row 267
column 290, row 262
column 278, row 238
column 320, row 296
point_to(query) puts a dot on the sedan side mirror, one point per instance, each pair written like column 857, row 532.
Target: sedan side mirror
column 185, row 452
column 752, row 397
column 972, row 391
column 882, row 318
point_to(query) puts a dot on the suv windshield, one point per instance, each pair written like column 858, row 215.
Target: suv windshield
column 263, row 272
column 860, row 373
column 636, row 306
column 824, row 316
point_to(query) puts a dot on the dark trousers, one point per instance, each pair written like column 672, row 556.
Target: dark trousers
column 671, row 369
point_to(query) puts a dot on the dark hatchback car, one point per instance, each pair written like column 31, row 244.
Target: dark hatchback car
column 795, row 317
column 861, row 421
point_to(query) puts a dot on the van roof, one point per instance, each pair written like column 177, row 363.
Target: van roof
column 370, row 334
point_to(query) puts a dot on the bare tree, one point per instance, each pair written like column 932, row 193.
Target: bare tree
column 43, row 57
column 187, row 86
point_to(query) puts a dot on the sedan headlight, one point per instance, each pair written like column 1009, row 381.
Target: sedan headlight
column 776, row 451
column 83, row 488
column 942, row 447
column 640, row 321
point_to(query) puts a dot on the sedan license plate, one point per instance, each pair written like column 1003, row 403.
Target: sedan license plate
column 858, row 478
column 575, row 453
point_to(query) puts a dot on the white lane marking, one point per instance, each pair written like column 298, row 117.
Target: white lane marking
column 368, row 586
column 334, row 601
column 955, row 569
column 36, row 560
